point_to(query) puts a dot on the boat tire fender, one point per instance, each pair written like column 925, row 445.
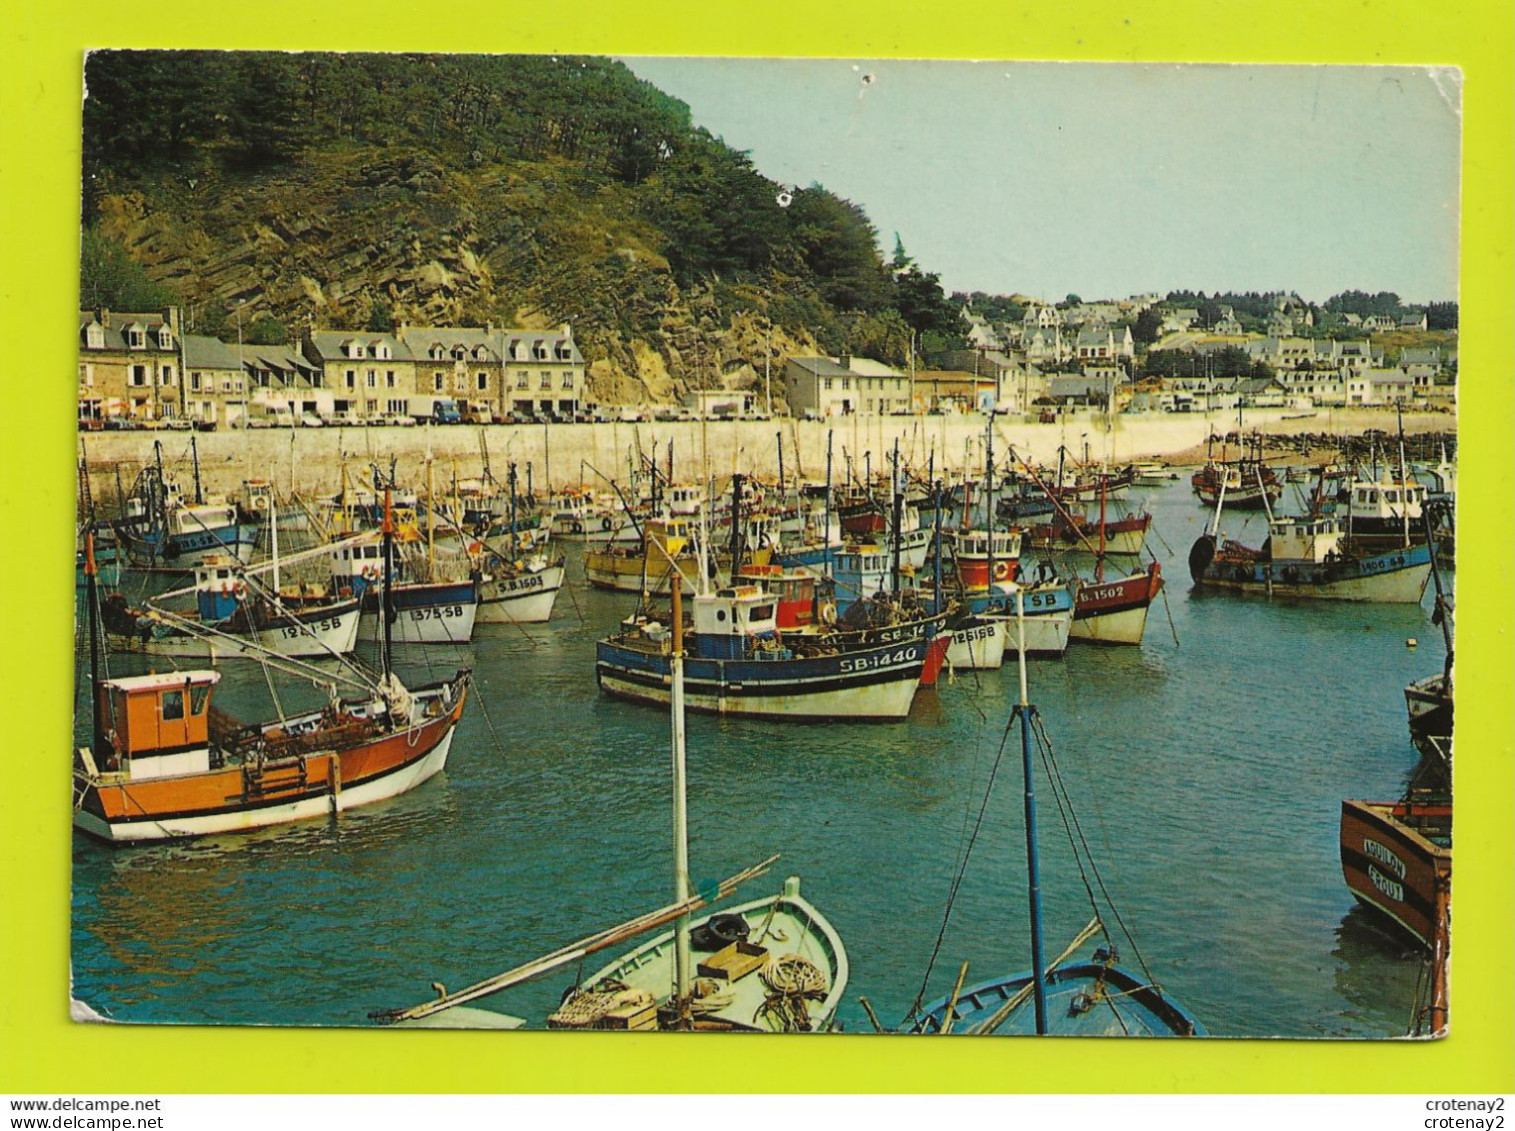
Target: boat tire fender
column 1291, row 574
column 1243, row 573
column 719, row 932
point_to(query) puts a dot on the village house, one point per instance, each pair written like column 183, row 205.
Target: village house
column 1412, row 320
column 543, row 372
column 215, row 383
column 955, row 390
column 284, row 385
column 130, row 365
column 369, row 374
column 464, row 364
column 822, row 386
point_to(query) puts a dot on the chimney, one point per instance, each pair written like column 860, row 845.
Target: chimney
column 845, row 361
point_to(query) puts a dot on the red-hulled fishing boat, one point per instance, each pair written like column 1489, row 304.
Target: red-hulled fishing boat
column 163, row 763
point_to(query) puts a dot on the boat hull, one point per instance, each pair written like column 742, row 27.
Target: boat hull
column 979, row 645
column 334, row 633
column 1392, row 867
column 527, row 598
column 188, row 549
column 441, row 613
column 870, row 684
column 1429, row 705
column 1081, row 999
column 1115, row 612
column 1396, row 578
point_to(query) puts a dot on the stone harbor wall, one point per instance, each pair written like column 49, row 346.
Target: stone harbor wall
column 564, row 455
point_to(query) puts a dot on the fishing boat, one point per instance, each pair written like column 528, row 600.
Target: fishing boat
column 741, row 665
column 1069, row 996
column 774, row 964
column 1310, row 557
column 1246, row 482
column 1122, row 537
column 982, row 556
column 666, row 545
column 1397, row 858
column 235, row 616
column 519, row 581
column 163, row 763
column 164, row 530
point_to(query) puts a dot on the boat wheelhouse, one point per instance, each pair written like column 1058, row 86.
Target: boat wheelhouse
column 982, row 556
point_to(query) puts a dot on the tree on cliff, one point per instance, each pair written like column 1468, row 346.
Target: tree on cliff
column 109, row 277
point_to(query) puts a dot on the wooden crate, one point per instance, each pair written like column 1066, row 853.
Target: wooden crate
column 631, row 1017
column 735, row 961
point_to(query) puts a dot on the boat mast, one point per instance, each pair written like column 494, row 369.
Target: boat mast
column 1033, row 862
column 826, row 532
column 989, row 503
column 515, row 539
column 682, row 970
column 780, row 436
column 273, row 534
column 92, row 597
column 387, row 605
column 194, row 454
column 898, row 514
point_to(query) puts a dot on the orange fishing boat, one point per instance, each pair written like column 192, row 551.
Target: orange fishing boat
column 163, row 763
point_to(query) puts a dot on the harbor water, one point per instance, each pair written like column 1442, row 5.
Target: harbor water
column 1207, row 766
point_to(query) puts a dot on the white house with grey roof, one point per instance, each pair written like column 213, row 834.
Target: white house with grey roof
column 823, row 386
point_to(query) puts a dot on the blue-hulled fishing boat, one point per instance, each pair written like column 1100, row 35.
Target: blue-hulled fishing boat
column 1069, row 997
column 740, row 664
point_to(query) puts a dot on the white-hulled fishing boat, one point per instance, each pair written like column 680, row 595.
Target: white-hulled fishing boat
column 770, row 965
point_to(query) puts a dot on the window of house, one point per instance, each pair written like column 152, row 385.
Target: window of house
column 568, row 379
column 139, row 375
column 94, row 336
column 483, row 379
column 846, row 383
column 828, row 382
column 134, row 338
column 194, row 382
column 522, row 379
column 352, row 378
column 389, row 379
column 396, row 407
column 436, row 382
column 373, row 379
column 458, row 353
column 165, row 339
column 546, row 379
column 166, row 375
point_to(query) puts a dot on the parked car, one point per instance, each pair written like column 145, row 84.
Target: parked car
column 311, row 420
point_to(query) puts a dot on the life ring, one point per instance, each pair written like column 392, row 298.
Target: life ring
column 475, row 548
column 239, row 590
column 576, row 527
column 260, row 502
column 1001, row 571
column 605, row 523
column 370, row 573
column 828, row 613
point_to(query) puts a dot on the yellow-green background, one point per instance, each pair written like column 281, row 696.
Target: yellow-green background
column 41, row 1051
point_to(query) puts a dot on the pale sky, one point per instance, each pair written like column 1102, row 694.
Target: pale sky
column 1106, row 180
